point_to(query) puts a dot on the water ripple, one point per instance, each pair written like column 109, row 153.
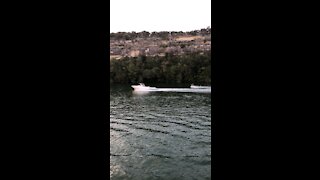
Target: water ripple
column 160, row 135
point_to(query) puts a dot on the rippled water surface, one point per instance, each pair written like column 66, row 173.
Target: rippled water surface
column 159, row 135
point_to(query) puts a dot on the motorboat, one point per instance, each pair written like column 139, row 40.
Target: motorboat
column 142, row 87
column 199, row 87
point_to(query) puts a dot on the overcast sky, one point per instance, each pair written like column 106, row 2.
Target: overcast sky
column 159, row 15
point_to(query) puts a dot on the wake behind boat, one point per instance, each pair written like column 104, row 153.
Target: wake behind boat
column 196, row 89
column 199, row 87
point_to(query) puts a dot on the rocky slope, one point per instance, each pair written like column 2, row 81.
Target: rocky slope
column 134, row 44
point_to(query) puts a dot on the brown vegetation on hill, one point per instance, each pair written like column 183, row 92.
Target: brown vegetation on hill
column 159, row 43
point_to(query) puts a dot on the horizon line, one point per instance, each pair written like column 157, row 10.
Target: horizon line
column 161, row 30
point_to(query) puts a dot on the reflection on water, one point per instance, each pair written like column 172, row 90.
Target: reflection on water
column 159, row 135
column 141, row 92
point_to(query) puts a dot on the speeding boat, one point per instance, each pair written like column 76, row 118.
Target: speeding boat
column 142, row 87
column 199, row 87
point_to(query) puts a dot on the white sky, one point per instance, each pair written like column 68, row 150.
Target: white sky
column 159, row 15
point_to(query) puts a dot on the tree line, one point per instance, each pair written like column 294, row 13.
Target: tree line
column 189, row 68
column 162, row 34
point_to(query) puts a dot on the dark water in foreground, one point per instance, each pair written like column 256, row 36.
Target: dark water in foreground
column 159, row 135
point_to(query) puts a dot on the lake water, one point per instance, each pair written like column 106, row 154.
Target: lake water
column 159, row 135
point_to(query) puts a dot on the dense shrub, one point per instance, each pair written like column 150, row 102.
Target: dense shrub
column 189, row 68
